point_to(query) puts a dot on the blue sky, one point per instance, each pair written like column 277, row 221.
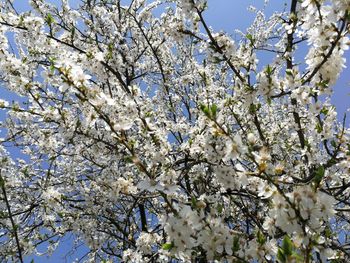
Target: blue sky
column 229, row 15
column 226, row 15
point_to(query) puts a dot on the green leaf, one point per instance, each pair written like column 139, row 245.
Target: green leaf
column 328, row 232
column 319, row 174
column 235, row 246
column 167, row 246
column 269, row 101
column 280, row 256
column 210, row 112
column 217, row 60
column 193, row 201
column 3, row 215
column 268, row 70
column 260, row 238
column 287, row 246
column 252, row 108
column 250, row 38
column 323, row 84
column 25, row 172
column 324, row 111
column 248, row 88
column 289, row 72
column 320, row 171
column 15, row 228
column 128, row 159
column 319, row 128
column 334, row 144
column 205, row 110
column 60, row 214
column 331, row 162
column 214, row 109
column 49, row 19
column 219, row 208
column 52, row 65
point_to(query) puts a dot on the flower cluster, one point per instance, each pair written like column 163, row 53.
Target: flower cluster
column 152, row 138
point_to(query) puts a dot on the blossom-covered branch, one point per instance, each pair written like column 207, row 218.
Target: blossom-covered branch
column 149, row 137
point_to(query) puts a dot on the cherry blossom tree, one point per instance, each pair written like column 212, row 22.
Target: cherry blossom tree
column 152, row 138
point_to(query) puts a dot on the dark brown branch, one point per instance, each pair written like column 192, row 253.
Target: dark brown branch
column 216, row 45
column 13, row 224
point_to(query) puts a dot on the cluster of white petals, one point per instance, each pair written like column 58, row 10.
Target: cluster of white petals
column 146, row 136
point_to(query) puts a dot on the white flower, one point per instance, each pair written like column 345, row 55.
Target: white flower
column 251, row 138
column 145, row 242
column 51, row 195
column 3, row 103
column 266, row 190
column 123, row 125
column 126, row 186
column 234, row 147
